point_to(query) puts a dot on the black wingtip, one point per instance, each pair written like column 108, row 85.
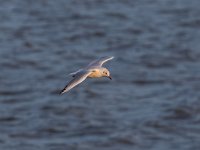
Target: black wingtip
column 61, row 92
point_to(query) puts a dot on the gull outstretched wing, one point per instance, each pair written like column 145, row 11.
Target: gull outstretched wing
column 99, row 62
column 80, row 77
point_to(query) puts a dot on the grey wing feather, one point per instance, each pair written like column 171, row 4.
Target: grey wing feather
column 99, row 62
column 80, row 77
column 73, row 74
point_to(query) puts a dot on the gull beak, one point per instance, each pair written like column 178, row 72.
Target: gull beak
column 110, row 77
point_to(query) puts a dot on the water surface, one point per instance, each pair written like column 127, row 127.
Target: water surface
column 153, row 101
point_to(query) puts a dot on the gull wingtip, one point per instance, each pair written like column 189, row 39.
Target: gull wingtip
column 109, row 57
column 62, row 92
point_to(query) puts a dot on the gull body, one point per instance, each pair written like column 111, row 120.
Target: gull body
column 93, row 70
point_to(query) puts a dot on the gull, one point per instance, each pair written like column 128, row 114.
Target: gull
column 93, row 70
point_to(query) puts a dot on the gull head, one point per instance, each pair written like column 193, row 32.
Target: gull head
column 106, row 73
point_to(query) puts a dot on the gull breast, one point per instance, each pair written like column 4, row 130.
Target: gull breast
column 95, row 74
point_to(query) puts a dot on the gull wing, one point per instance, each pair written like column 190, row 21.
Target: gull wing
column 99, row 62
column 74, row 73
column 80, row 77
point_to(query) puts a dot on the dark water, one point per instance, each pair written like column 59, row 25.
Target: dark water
column 153, row 103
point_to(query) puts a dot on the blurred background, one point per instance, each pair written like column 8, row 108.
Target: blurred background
column 153, row 103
